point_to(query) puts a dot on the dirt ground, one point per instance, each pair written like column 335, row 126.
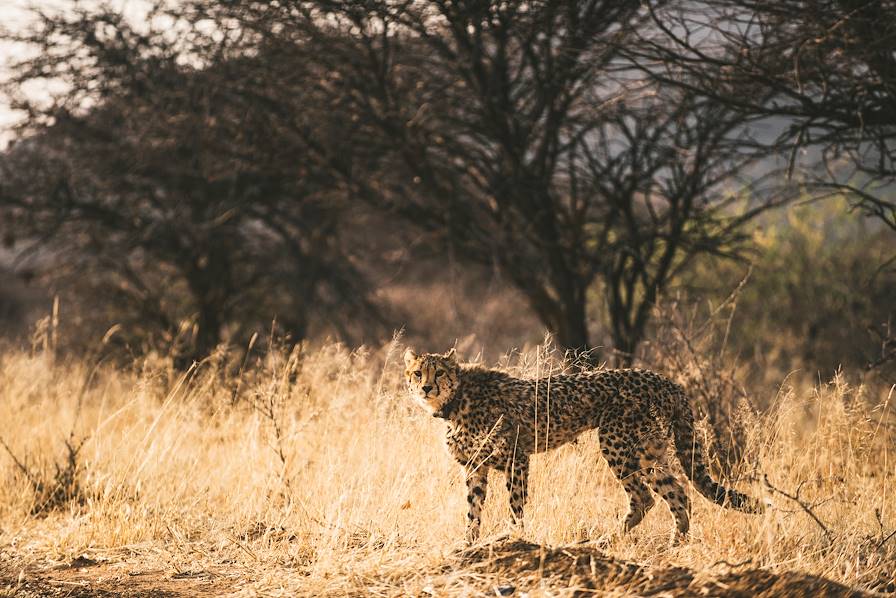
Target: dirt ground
column 505, row 568
column 87, row 578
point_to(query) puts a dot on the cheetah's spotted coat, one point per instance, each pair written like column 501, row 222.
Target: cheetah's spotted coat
column 491, row 420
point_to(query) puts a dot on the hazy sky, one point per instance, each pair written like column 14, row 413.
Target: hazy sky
column 14, row 16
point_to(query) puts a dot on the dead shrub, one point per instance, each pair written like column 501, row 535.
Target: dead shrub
column 55, row 484
column 691, row 349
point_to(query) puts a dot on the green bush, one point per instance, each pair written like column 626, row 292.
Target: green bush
column 820, row 295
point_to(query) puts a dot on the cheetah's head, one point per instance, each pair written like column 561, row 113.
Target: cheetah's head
column 432, row 378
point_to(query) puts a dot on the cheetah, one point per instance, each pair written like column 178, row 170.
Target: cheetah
column 497, row 421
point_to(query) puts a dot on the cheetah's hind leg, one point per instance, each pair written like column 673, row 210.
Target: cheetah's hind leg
column 622, row 453
column 667, row 486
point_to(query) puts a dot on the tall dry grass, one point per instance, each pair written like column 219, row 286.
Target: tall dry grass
column 309, row 473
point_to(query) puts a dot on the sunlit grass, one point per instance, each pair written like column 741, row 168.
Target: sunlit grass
column 311, row 473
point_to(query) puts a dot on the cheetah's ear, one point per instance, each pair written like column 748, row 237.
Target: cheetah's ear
column 409, row 356
column 451, row 355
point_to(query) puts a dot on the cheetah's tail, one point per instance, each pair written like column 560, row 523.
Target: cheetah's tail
column 689, row 450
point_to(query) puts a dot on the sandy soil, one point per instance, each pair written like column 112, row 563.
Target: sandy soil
column 507, row 568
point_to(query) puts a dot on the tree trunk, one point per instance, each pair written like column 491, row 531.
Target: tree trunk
column 625, row 344
column 210, row 280
column 564, row 318
column 571, row 329
column 208, row 330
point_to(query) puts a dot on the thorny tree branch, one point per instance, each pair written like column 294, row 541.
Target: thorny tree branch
column 887, row 346
column 807, row 508
column 880, row 523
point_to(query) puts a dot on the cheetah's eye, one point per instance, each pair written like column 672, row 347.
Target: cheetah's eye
column 418, row 373
column 439, row 373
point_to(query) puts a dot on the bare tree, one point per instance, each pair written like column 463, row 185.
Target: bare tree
column 519, row 132
column 153, row 181
column 822, row 73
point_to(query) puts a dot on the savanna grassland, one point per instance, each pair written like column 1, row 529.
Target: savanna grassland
column 309, row 473
column 236, row 197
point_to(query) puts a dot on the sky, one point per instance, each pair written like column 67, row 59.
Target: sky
column 15, row 16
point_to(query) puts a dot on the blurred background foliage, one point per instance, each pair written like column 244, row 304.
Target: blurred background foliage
column 820, row 294
column 476, row 173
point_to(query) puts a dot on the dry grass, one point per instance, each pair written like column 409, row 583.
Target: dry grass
column 310, row 474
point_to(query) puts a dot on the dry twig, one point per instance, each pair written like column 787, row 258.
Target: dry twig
column 807, row 508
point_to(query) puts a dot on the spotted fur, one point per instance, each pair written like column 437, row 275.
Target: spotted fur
column 497, row 421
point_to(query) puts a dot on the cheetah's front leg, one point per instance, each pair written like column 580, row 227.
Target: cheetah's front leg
column 518, row 486
column 477, row 486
